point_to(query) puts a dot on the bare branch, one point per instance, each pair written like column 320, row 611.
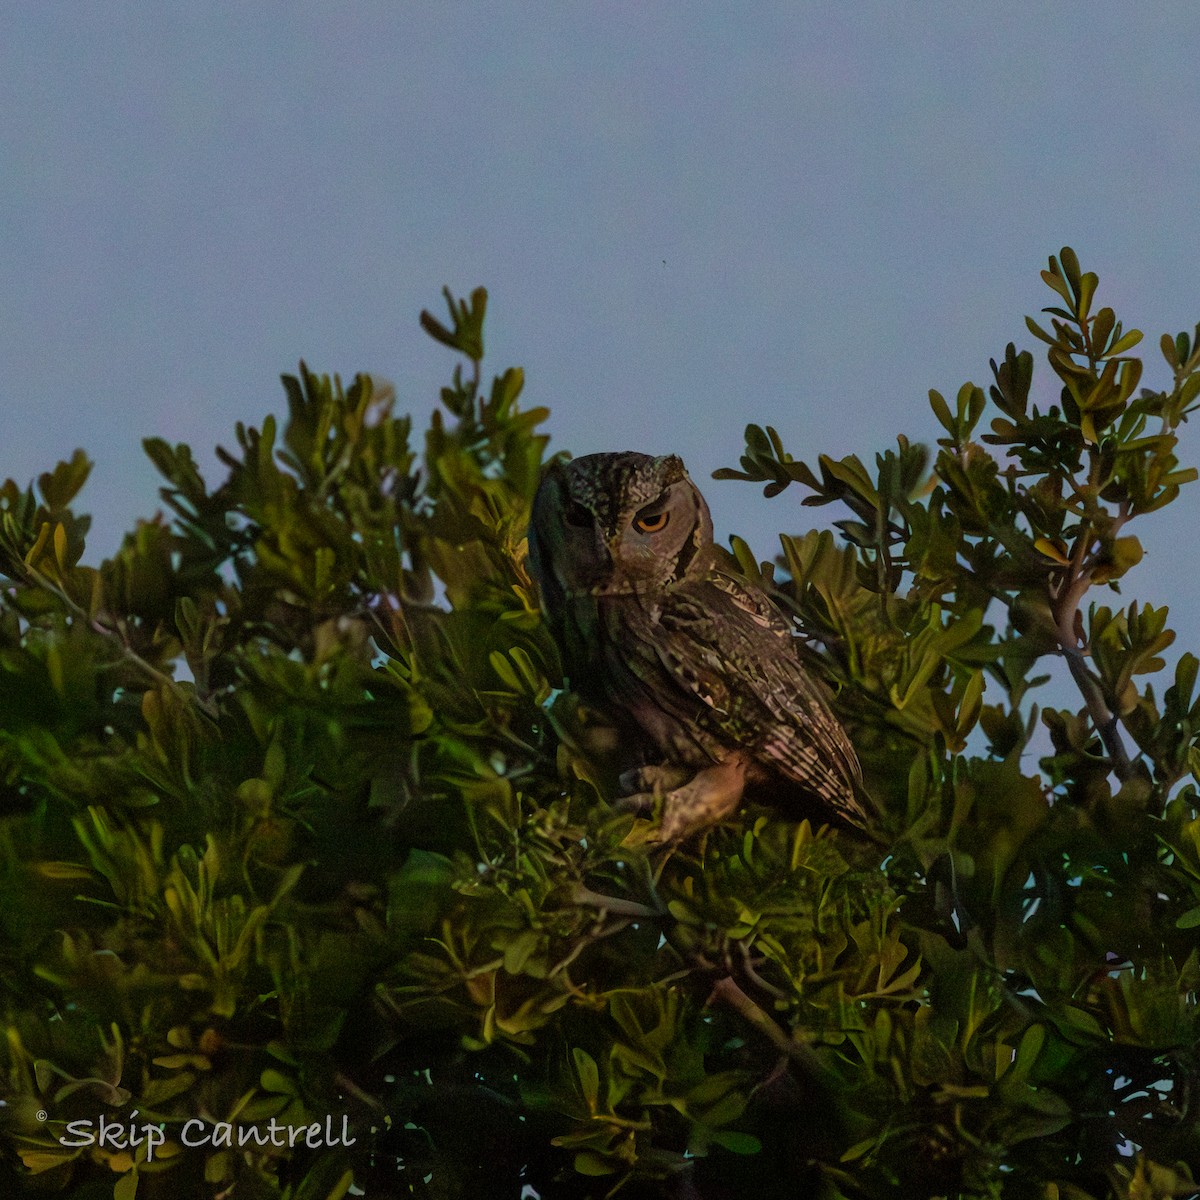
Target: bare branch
column 1103, row 718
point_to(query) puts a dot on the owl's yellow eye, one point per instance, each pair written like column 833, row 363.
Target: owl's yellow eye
column 651, row 522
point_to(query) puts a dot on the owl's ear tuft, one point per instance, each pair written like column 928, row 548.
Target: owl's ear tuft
column 671, row 465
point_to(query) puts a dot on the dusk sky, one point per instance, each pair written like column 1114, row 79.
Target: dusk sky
column 688, row 216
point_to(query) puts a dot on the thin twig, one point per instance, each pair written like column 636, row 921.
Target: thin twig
column 728, row 993
column 1066, row 611
column 759, row 982
column 606, row 931
column 113, row 636
column 613, row 904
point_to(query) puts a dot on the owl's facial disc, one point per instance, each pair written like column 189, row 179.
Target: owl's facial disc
column 651, row 544
column 616, row 524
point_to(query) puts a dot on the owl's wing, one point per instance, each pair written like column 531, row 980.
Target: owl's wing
column 724, row 644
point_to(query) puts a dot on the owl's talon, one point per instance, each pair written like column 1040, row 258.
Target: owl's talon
column 708, row 796
column 639, row 802
column 657, row 780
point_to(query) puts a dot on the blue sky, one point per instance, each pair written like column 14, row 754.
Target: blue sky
column 689, row 216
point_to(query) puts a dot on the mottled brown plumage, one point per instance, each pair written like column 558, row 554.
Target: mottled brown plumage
column 695, row 665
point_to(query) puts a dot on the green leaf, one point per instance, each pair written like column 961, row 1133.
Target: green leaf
column 1189, row 920
column 941, row 410
column 1087, row 289
column 737, row 1143
column 1052, row 550
column 588, row 1075
column 1125, row 343
column 60, row 486
column 1070, row 269
column 972, row 704
column 588, row 1162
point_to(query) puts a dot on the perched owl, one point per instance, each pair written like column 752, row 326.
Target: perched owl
column 695, row 666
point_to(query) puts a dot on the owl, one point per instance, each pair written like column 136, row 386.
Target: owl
column 694, row 665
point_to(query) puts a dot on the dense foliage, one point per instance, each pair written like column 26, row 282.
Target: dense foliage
column 298, row 822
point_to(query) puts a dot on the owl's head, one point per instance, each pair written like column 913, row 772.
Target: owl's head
column 614, row 524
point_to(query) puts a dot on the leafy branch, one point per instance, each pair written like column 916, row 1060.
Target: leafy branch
column 1035, row 530
column 390, row 875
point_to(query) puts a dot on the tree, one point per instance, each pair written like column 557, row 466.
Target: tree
column 299, row 823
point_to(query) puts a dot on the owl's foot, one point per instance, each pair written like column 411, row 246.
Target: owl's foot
column 645, row 788
column 708, row 796
column 642, row 784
